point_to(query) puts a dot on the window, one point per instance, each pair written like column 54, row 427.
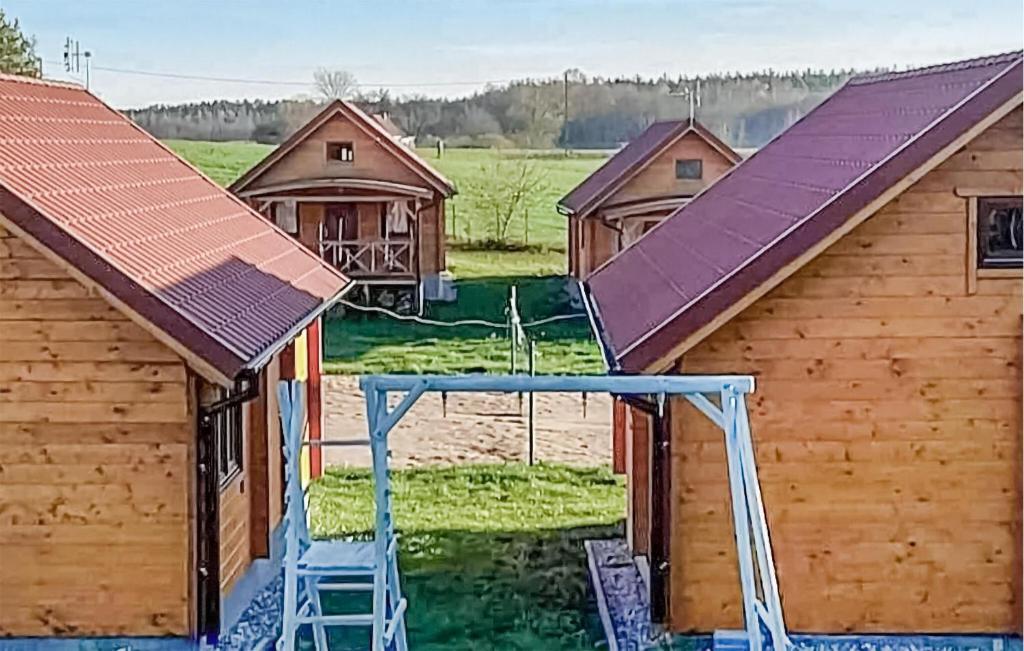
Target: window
column 285, row 216
column 227, row 431
column 689, row 168
column 1000, row 232
column 342, row 152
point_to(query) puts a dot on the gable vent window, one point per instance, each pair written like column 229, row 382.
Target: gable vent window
column 342, row 152
column 689, row 168
column 999, row 232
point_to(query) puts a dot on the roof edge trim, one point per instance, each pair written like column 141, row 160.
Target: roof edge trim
column 214, row 360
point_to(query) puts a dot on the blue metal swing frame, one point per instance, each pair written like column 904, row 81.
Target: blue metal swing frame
column 762, row 606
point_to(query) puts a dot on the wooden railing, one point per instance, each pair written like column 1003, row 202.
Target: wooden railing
column 370, row 257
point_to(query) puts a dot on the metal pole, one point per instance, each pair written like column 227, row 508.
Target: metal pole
column 513, row 334
column 565, row 115
column 530, row 426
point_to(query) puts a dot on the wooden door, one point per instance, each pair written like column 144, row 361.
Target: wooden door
column 341, row 222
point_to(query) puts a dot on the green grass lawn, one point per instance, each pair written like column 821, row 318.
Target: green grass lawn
column 469, row 221
column 491, row 555
column 368, row 344
column 357, row 344
column 222, row 161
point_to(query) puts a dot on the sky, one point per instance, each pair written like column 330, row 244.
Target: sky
column 455, row 47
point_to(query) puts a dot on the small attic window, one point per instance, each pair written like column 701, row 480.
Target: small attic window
column 689, row 168
column 1000, row 233
column 342, row 152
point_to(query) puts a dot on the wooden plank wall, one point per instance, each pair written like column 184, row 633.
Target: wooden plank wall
column 308, row 160
column 659, row 178
column 638, row 458
column 235, row 547
column 887, row 425
column 601, row 243
column 95, row 460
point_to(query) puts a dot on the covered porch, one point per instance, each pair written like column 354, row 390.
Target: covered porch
column 366, row 228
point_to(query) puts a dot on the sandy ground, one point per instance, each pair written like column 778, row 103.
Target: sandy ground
column 479, row 427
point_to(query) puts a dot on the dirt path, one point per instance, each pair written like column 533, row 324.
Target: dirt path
column 479, row 427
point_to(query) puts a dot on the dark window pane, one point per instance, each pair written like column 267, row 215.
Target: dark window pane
column 343, row 152
column 228, row 434
column 999, row 232
column 689, row 168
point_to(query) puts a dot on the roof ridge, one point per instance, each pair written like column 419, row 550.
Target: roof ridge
column 40, row 81
column 965, row 64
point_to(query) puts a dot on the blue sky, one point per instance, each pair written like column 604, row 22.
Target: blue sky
column 451, row 47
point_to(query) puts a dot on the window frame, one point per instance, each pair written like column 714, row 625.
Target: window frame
column 974, row 270
column 690, row 161
column 340, row 146
column 993, row 263
column 228, row 427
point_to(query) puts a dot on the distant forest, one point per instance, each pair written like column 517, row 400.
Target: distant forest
column 746, row 110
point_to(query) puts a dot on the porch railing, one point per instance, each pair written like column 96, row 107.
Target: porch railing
column 370, row 257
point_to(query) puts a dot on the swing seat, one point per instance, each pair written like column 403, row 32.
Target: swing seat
column 338, row 557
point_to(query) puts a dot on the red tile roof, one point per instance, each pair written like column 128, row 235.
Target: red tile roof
column 786, row 198
column 632, row 159
column 373, row 127
column 159, row 236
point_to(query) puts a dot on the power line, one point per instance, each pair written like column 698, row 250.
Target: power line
column 282, row 82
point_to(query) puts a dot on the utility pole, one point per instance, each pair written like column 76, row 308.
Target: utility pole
column 565, row 113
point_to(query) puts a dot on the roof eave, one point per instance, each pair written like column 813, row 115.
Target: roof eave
column 261, row 360
column 209, row 357
column 594, row 317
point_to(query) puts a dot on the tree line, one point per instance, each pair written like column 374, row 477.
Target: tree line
column 577, row 111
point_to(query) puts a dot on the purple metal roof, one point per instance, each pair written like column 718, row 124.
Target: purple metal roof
column 165, row 240
column 784, row 199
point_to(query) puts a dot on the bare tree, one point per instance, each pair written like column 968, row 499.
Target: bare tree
column 334, row 84
column 503, row 189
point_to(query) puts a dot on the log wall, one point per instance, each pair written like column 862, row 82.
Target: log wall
column 887, row 427
column 95, row 459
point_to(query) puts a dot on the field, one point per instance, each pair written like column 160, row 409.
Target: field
column 534, row 257
column 491, row 555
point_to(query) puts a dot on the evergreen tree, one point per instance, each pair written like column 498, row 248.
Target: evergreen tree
column 17, row 51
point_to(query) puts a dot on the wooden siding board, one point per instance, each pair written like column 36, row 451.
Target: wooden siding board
column 887, row 424
column 94, row 442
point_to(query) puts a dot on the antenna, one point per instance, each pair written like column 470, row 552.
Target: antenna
column 73, row 58
column 691, row 93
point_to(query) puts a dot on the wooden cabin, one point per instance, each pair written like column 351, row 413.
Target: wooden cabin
column 371, row 207
column 865, row 266
column 145, row 318
column 636, row 189
column 644, row 182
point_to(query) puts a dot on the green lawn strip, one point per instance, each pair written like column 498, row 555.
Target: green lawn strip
column 359, row 344
column 467, row 263
column 491, row 555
